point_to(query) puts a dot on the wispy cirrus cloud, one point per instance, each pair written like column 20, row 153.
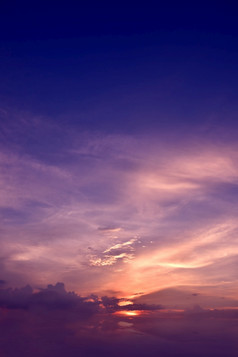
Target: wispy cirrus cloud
column 127, row 208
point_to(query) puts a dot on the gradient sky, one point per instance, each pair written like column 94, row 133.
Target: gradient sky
column 119, row 160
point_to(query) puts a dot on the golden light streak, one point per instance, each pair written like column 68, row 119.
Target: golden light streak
column 125, row 303
column 196, row 250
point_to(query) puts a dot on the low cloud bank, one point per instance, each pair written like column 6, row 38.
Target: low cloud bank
column 54, row 322
column 56, row 297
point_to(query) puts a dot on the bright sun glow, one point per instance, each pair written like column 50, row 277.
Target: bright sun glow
column 129, row 313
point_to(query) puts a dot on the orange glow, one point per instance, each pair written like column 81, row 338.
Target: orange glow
column 129, row 313
column 125, row 303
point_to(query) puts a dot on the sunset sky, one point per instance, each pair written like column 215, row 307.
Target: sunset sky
column 119, row 153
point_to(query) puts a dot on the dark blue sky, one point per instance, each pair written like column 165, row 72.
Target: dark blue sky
column 117, row 67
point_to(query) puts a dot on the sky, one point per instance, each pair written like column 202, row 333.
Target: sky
column 118, row 176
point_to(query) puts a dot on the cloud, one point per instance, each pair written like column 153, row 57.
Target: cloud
column 110, row 259
column 133, row 209
column 112, row 305
column 55, row 322
column 123, row 245
column 186, row 297
column 55, row 297
column 118, row 252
